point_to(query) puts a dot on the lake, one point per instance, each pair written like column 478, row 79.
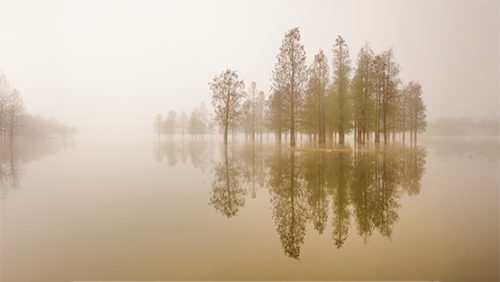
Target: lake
column 109, row 209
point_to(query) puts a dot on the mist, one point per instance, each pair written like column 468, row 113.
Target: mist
column 249, row 140
column 98, row 65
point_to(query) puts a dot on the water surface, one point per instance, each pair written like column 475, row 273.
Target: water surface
column 138, row 209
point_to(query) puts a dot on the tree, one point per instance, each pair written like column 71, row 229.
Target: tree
column 277, row 114
column 183, row 122
column 39, row 127
column 14, row 121
column 289, row 76
column 341, row 71
column 158, row 124
column 204, row 120
column 170, row 123
column 261, row 104
column 198, row 121
column 253, row 90
column 11, row 109
column 416, row 109
column 4, row 99
column 227, row 95
column 313, row 112
column 246, row 118
column 194, row 122
column 378, row 84
column 14, row 111
column 362, row 94
column 386, row 73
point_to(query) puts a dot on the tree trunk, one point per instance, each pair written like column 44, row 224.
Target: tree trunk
column 253, row 115
column 292, row 121
column 225, row 133
column 341, row 102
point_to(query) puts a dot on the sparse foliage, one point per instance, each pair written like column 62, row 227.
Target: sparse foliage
column 227, row 96
column 339, row 108
column 314, row 111
column 170, row 123
column 289, row 78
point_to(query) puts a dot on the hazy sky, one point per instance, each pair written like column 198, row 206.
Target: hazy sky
column 102, row 64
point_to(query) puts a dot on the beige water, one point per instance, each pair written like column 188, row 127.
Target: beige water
column 138, row 209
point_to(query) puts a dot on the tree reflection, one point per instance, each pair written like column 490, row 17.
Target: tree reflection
column 195, row 150
column 198, row 152
column 365, row 184
column 385, row 196
column 339, row 181
column 336, row 187
column 412, row 169
column 228, row 195
column 317, row 192
column 289, row 201
column 10, row 169
column 362, row 192
column 253, row 168
column 248, row 157
column 16, row 153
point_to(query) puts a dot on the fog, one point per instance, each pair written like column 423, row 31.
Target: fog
column 359, row 173
column 101, row 65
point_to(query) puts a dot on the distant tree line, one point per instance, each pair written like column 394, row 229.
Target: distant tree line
column 38, row 126
column 368, row 100
column 11, row 110
column 463, row 127
column 14, row 121
column 197, row 124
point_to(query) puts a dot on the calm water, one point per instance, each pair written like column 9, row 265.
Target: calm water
column 136, row 209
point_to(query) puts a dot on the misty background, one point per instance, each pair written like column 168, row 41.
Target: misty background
column 101, row 65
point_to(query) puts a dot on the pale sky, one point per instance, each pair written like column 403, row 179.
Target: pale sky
column 115, row 64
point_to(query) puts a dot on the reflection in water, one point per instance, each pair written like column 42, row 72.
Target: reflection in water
column 288, row 197
column 10, row 170
column 314, row 176
column 16, row 154
column 344, row 187
column 196, row 150
column 228, row 195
